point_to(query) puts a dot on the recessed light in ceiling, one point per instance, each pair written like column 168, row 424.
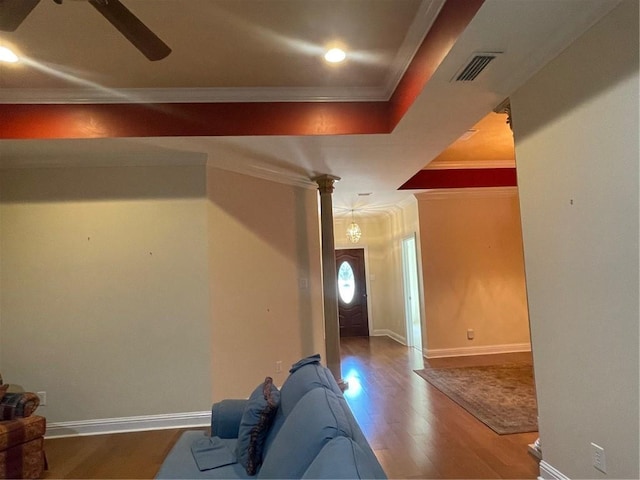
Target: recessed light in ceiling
column 335, row 55
column 364, row 194
column 6, row 55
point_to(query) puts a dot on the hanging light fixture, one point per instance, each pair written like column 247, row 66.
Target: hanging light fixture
column 353, row 231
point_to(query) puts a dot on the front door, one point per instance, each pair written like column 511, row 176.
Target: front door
column 352, row 293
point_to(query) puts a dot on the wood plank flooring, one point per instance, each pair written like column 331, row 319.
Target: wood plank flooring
column 414, row 429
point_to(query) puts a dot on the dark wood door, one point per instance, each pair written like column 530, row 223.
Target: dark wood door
column 352, row 293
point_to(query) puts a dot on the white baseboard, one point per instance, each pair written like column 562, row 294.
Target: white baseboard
column 128, row 424
column 384, row 332
column 481, row 350
column 548, row 472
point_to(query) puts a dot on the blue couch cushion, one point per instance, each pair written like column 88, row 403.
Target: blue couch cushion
column 212, row 452
column 358, row 437
column 342, row 458
column 305, row 361
column 226, row 416
column 316, row 419
column 303, row 379
column 255, row 423
column 180, row 463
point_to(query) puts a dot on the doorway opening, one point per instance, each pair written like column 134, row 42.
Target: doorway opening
column 411, row 293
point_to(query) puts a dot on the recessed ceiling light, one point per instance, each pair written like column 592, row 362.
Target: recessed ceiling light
column 364, row 194
column 335, row 55
column 7, row 55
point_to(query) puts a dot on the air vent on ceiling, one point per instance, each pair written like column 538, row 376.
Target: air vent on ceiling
column 478, row 62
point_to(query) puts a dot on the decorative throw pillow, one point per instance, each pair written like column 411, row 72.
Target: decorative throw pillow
column 21, row 404
column 254, row 426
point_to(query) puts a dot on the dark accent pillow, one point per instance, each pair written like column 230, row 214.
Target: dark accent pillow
column 256, row 420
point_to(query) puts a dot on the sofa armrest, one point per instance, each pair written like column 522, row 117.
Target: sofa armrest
column 18, row 405
column 225, row 418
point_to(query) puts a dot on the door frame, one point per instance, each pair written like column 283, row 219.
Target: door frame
column 409, row 330
column 366, row 280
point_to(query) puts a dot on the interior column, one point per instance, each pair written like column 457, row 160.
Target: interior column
column 329, row 278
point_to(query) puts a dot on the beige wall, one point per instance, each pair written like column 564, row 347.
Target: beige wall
column 576, row 134
column 265, row 279
column 382, row 235
column 104, row 296
column 125, row 287
column 472, row 263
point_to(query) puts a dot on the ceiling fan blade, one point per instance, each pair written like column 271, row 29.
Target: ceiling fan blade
column 13, row 13
column 132, row 28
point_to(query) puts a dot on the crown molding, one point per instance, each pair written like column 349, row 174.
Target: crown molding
column 480, row 192
column 376, row 210
column 191, row 95
column 269, row 173
column 104, row 160
column 461, row 164
column 425, row 16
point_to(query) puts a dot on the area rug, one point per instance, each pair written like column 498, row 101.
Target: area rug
column 501, row 396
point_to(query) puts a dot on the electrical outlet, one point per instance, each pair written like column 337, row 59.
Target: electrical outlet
column 43, row 398
column 279, row 366
column 598, row 457
column 470, row 334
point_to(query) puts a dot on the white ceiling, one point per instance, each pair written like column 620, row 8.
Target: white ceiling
column 529, row 32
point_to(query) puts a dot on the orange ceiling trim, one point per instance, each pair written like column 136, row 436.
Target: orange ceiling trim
column 28, row 121
column 453, row 18
column 49, row 121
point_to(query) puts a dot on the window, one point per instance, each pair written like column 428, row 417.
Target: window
column 346, row 282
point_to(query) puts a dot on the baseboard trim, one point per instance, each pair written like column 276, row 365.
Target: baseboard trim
column 549, row 472
column 482, row 350
column 384, row 332
column 128, row 424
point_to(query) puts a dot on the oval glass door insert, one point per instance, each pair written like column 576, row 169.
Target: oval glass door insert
column 346, row 282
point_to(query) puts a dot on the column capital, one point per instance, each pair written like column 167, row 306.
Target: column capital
column 505, row 108
column 325, row 182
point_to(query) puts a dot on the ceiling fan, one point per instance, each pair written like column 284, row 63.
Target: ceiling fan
column 13, row 13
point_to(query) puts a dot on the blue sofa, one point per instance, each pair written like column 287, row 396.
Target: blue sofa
column 312, row 434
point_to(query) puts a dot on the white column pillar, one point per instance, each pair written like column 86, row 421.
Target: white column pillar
column 330, row 278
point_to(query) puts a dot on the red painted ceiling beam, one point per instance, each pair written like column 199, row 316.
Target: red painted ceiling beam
column 47, row 121
column 462, row 178
column 443, row 34
column 190, row 119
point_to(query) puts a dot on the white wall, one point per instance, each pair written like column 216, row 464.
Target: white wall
column 104, row 297
column 266, row 287
column 576, row 135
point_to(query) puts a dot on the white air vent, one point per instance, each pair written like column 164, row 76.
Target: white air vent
column 478, row 62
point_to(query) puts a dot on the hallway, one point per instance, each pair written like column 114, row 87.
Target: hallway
column 414, row 429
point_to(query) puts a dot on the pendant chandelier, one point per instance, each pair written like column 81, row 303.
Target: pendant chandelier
column 353, row 231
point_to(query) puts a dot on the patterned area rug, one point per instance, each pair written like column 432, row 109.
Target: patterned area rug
column 501, row 396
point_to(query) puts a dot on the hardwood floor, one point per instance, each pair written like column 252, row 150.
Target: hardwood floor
column 416, row 431
column 122, row 455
